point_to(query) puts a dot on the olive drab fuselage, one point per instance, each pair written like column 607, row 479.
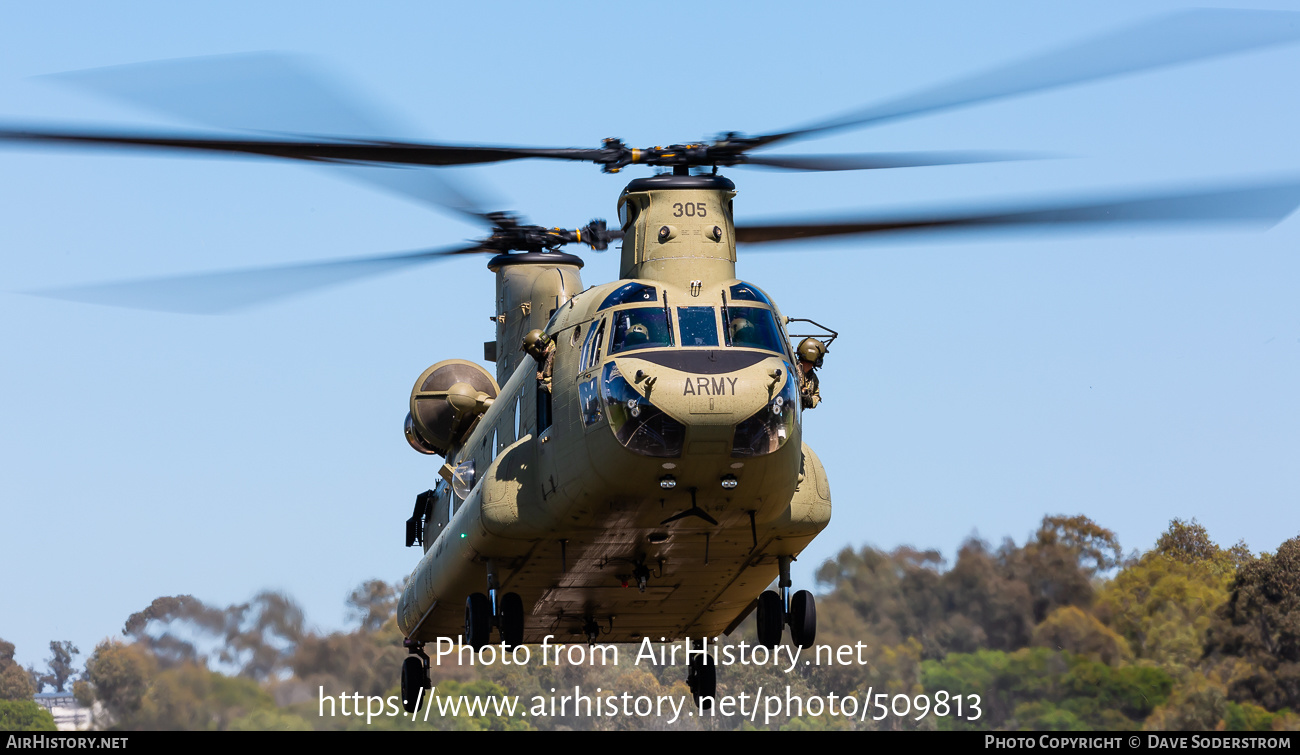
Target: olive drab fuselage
column 665, row 384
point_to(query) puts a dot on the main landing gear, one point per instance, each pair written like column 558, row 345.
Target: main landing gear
column 504, row 611
column 776, row 610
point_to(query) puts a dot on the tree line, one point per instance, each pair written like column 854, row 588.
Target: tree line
column 1061, row 632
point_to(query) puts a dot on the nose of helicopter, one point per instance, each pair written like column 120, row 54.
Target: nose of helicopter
column 724, row 422
column 732, row 403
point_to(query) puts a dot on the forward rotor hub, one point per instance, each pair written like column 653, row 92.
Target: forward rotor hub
column 729, row 149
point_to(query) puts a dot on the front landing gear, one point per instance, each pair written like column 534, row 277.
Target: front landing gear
column 415, row 675
column 776, row 610
column 701, row 677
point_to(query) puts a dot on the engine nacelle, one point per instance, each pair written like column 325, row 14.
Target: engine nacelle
column 445, row 401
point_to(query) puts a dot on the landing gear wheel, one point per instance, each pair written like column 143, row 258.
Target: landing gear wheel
column 803, row 619
column 703, row 681
column 771, row 619
column 478, row 620
column 512, row 619
column 414, row 678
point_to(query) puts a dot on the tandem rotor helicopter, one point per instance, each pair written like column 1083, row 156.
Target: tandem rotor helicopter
column 635, row 468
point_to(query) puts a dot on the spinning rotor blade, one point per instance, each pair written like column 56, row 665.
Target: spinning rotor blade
column 1256, row 205
column 314, row 149
column 213, row 293
column 1177, row 38
column 875, row 161
column 277, row 95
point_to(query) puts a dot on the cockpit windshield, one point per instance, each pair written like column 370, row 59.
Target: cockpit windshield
column 753, row 328
column 699, row 326
column 640, row 328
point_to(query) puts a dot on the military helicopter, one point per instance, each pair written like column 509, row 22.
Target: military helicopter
column 640, row 471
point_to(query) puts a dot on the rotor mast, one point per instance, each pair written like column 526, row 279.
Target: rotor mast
column 530, row 286
column 678, row 228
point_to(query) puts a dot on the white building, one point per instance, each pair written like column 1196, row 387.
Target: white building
column 68, row 715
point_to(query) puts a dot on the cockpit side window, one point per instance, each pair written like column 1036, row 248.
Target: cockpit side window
column 699, row 326
column 591, row 348
column 640, row 328
column 754, row 328
column 627, row 212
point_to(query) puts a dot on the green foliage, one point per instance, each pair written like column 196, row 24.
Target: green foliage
column 1164, row 603
column 989, row 599
column 120, row 675
column 1187, row 636
column 84, row 693
column 1072, row 629
column 356, row 662
column 1198, row 704
column 25, row 715
column 1058, row 564
column 60, row 665
column 193, row 698
column 138, row 695
column 270, row 719
column 15, row 682
column 1041, row 689
column 1260, row 624
column 1247, row 717
column 372, row 604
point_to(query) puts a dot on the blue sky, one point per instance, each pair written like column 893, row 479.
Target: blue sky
column 976, row 386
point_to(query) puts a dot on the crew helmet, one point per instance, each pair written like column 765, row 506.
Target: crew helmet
column 812, row 350
column 536, row 341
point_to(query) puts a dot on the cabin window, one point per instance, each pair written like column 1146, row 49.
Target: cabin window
column 506, row 428
column 699, row 326
column 463, row 479
column 754, row 328
column 640, row 328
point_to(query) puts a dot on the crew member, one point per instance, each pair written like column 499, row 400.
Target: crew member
column 743, row 332
column 541, row 347
column 811, row 351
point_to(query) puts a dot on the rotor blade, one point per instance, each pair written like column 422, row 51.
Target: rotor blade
column 272, row 93
column 214, row 293
column 1255, row 205
column 877, row 160
column 1177, row 38
column 316, row 150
